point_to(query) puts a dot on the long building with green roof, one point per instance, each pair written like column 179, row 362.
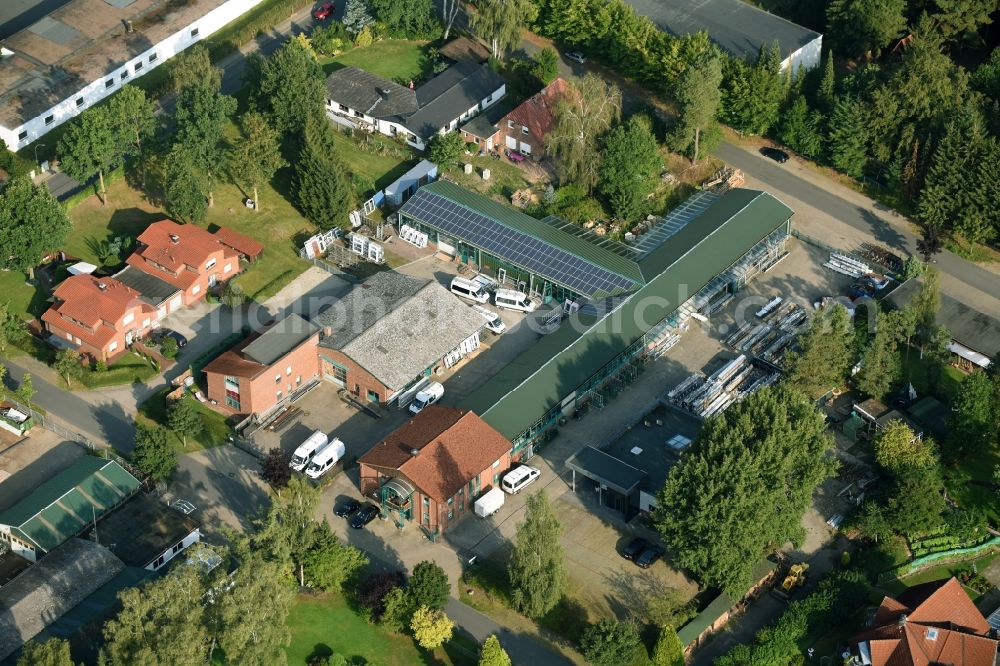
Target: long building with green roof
column 699, row 254
column 65, row 505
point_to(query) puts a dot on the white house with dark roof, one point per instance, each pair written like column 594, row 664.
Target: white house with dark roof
column 462, row 91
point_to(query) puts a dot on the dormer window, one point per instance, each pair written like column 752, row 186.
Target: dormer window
column 210, row 264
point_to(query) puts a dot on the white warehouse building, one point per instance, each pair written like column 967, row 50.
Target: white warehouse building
column 85, row 50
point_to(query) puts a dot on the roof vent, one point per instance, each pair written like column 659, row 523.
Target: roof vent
column 932, row 634
column 102, row 286
column 385, row 92
column 414, row 452
column 174, row 238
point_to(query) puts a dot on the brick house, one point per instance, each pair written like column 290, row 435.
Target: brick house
column 433, row 468
column 933, row 623
column 98, row 317
column 525, row 127
column 186, row 257
column 391, row 331
column 263, row 371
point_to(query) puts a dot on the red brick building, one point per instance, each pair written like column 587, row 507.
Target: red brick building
column 99, row 317
column 187, row 257
column 525, row 127
column 433, row 468
column 934, row 623
column 263, row 371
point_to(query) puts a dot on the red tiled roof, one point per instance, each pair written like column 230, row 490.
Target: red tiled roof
column 452, row 446
column 935, row 623
column 176, row 246
column 245, row 245
column 91, row 301
column 538, row 111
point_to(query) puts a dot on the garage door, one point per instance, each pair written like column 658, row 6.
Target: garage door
column 176, row 303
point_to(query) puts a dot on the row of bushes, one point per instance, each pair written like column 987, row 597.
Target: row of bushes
column 258, row 20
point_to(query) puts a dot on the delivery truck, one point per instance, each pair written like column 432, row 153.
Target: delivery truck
column 307, row 449
column 489, row 503
column 325, row 458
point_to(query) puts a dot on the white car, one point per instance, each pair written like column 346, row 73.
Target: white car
column 493, row 321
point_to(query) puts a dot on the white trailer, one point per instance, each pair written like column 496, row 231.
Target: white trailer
column 489, row 503
column 307, row 449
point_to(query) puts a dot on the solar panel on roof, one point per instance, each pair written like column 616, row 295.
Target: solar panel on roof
column 526, row 251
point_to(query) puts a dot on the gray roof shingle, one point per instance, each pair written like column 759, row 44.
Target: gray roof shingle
column 369, row 93
column 280, row 339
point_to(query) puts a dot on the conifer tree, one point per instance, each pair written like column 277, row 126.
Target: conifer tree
column 321, row 187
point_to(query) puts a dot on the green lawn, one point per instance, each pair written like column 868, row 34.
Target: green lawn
column 398, row 60
column 215, row 430
column 915, row 371
column 129, row 368
column 942, row 572
column 325, row 625
column 373, row 160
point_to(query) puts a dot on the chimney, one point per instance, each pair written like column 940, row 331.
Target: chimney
column 102, row 286
column 414, row 452
column 175, row 239
column 385, row 93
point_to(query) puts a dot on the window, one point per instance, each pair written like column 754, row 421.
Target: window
column 177, row 547
column 210, row 264
column 195, row 289
column 128, row 319
column 288, row 370
column 451, row 500
column 232, row 384
column 278, row 395
column 427, row 503
column 490, row 98
column 69, row 336
column 496, row 464
column 109, row 83
column 510, row 124
column 461, row 492
column 358, row 114
column 525, row 130
column 79, row 102
column 372, row 396
column 427, row 518
column 194, row 33
column 461, row 507
column 152, row 58
column 49, row 119
column 232, row 402
column 113, row 346
column 496, row 479
column 158, row 563
column 22, row 136
column 451, row 513
column 124, row 75
column 298, row 380
column 343, row 107
column 138, row 67
column 277, row 378
column 145, row 322
column 227, row 268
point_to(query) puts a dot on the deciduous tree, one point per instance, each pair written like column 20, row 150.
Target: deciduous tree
column 668, row 650
column 160, row 624
column 762, row 459
column 202, row 115
column 428, row 586
column 444, row 149
column 274, row 468
column 184, row 419
column 916, row 502
column 321, row 186
column 698, row 96
column 12, row 327
column 610, row 643
column 880, row 363
column 500, row 22
column 535, row 568
column 68, row 365
column 193, row 67
column 431, row 628
column 631, row 162
column 53, row 652
column 975, row 416
column 874, row 522
column 492, row 653
column 288, row 528
column 153, row 453
column 253, row 613
column 329, row 564
column 185, row 191
column 133, row 123
column 89, row 147
column 449, row 12
column 26, row 391
column 826, row 352
column 587, row 110
column 257, row 156
column 546, row 65
column 32, row 223
column 897, row 448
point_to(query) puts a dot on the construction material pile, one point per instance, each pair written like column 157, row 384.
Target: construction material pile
column 846, row 265
column 704, row 396
column 773, row 335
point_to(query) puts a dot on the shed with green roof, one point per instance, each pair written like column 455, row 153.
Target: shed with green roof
column 65, row 505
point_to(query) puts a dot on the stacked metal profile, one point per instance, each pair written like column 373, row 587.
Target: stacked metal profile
column 706, row 396
column 773, row 335
column 841, row 263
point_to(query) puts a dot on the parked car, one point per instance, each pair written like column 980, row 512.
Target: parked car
column 493, row 321
column 323, row 12
column 363, row 516
column 347, row 508
column 164, row 333
column 428, row 396
column 778, row 156
column 648, row 556
column 634, row 547
column 576, row 56
column 519, row 478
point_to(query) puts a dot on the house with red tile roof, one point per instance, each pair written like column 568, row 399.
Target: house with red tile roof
column 433, row 468
column 187, row 257
column 99, row 317
column 934, row 623
column 525, row 127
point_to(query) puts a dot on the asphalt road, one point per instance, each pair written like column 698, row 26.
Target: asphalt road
column 99, row 423
column 779, row 180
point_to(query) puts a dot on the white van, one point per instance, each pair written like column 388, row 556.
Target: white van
column 326, row 458
column 515, row 300
column 493, row 321
column 428, row 396
column 519, row 478
column 474, row 291
column 307, row 449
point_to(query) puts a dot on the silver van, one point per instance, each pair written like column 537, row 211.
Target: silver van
column 474, row 291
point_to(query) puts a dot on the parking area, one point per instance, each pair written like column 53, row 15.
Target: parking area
column 26, row 463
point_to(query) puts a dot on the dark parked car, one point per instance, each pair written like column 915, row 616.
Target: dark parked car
column 648, row 556
column 634, row 547
column 363, row 516
column 778, row 156
column 164, row 333
column 576, row 56
column 323, row 11
column 347, row 508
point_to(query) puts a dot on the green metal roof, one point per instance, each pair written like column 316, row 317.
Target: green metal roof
column 705, row 619
column 560, row 362
column 63, row 505
column 526, row 224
